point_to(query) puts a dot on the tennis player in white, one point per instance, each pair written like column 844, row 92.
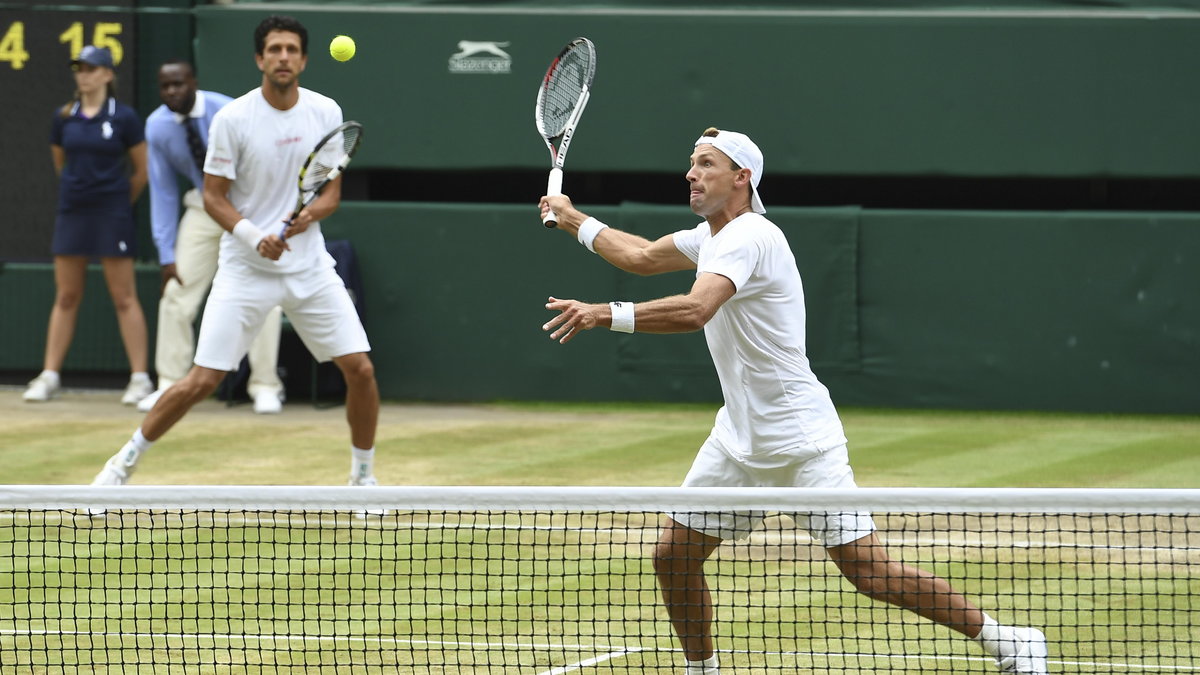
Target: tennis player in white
column 257, row 144
column 778, row 427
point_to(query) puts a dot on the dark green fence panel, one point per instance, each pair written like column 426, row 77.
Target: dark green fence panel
column 967, row 93
column 1037, row 311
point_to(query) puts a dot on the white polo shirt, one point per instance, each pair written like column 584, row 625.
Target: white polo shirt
column 773, row 401
column 261, row 149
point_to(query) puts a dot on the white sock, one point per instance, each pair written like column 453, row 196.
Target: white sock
column 991, row 634
column 140, row 376
column 708, row 666
column 53, row 376
column 132, row 451
column 362, row 462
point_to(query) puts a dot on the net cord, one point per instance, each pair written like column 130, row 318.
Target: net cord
column 608, row 499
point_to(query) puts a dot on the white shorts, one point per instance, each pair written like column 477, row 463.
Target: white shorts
column 831, row 468
column 316, row 303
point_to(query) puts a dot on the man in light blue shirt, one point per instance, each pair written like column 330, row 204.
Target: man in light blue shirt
column 177, row 136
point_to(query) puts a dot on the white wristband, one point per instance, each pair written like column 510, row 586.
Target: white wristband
column 247, row 233
column 588, row 231
column 622, row 316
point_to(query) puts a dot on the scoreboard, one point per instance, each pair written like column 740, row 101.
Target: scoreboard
column 37, row 43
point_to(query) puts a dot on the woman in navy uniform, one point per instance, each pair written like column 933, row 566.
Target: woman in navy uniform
column 99, row 151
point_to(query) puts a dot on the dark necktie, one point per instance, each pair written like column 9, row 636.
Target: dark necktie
column 194, row 143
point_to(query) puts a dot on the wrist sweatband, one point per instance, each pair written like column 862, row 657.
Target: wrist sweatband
column 622, row 316
column 247, row 233
column 588, row 231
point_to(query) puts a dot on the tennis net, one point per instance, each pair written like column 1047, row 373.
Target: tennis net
column 557, row 580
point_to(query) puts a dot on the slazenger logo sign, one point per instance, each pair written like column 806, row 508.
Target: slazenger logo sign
column 477, row 56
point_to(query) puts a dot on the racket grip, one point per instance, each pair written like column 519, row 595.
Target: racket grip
column 553, row 187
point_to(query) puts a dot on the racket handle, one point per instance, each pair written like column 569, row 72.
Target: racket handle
column 553, row 187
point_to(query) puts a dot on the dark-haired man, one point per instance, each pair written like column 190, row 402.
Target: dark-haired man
column 256, row 146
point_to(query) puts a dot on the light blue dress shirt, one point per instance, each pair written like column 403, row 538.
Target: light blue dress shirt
column 170, row 159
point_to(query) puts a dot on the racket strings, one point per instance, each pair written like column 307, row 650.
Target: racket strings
column 335, row 152
column 567, row 79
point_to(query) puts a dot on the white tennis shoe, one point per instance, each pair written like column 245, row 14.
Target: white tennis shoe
column 113, row 473
column 1024, row 652
column 116, row 471
column 368, row 481
column 268, row 403
column 136, row 390
column 42, row 388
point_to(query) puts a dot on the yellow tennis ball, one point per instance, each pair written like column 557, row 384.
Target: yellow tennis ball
column 342, row 48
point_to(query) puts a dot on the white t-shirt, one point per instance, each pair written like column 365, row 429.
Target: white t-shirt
column 773, row 401
column 261, row 149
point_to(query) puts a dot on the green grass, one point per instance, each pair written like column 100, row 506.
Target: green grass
column 600, row 444
column 325, row 593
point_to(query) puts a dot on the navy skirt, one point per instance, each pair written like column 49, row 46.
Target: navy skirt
column 99, row 230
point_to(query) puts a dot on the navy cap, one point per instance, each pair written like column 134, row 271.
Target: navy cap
column 96, row 56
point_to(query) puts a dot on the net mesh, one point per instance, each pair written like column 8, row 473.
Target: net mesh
column 566, row 79
column 301, row 587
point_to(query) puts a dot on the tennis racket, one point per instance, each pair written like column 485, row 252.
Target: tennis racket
column 325, row 163
column 560, row 102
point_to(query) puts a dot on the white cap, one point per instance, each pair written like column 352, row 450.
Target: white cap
column 739, row 148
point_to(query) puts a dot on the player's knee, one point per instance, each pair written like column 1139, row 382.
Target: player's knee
column 358, row 368
column 671, row 559
column 200, row 383
column 868, row 582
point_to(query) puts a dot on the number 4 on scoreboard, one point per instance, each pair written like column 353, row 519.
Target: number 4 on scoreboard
column 12, row 46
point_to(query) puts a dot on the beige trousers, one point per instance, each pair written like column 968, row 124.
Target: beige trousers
column 197, row 245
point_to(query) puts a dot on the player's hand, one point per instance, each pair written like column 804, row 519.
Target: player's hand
column 569, row 218
column 298, row 224
column 168, row 273
column 272, row 247
column 574, row 316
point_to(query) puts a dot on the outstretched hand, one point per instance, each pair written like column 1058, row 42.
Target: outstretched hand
column 573, row 316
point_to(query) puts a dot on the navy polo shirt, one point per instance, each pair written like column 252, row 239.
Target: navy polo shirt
column 95, row 170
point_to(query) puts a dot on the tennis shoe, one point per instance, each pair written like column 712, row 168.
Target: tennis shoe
column 113, row 473
column 136, row 390
column 366, row 481
column 42, row 388
column 268, row 402
column 1023, row 652
column 147, row 404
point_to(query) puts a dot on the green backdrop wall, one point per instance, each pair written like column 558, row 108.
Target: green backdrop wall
column 974, row 93
column 1050, row 311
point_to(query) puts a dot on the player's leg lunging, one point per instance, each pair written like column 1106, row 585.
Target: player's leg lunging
column 197, row 385
column 679, row 565
column 866, row 564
